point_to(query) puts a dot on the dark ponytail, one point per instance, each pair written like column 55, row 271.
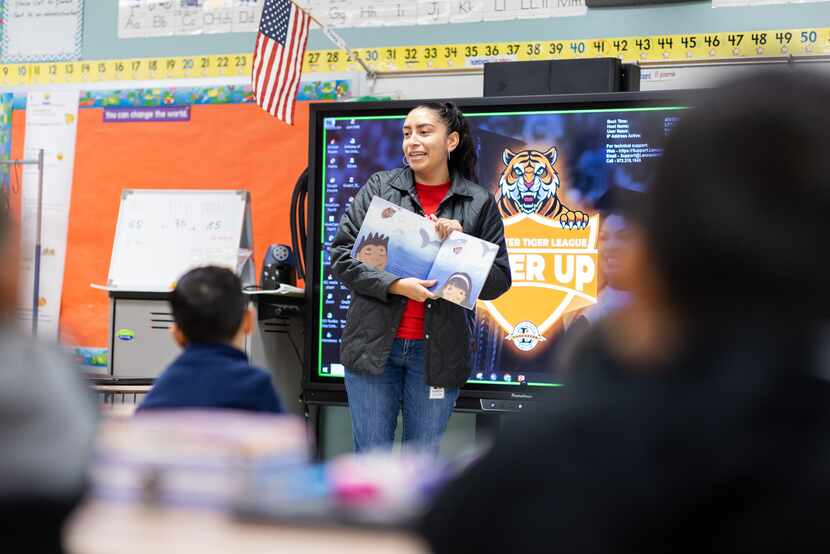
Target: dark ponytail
column 464, row 158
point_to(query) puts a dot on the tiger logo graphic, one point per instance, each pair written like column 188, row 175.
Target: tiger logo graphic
column 529, row 185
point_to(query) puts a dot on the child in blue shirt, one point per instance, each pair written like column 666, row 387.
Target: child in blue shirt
column 211, row 321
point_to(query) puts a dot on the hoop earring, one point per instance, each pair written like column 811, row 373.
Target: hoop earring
column 405, row 161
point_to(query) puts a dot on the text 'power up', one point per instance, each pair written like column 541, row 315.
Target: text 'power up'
column 572, row 271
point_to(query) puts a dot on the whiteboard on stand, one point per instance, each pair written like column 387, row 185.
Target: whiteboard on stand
column 161, row 234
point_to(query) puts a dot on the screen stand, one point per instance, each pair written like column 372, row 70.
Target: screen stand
column 487, row 426
column 314, row 414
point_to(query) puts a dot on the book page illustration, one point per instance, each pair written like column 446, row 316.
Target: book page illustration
column 461, row 267
column 396, row 240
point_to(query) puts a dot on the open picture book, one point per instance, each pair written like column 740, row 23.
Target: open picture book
column 406, row 244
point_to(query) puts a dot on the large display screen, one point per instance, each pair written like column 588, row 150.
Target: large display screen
column 532, row 160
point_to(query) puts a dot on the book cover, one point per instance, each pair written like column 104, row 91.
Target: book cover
column 404, row 243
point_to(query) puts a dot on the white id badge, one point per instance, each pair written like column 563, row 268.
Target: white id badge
column 436, row 393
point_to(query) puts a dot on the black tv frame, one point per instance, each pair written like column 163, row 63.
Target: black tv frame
column 473, row 396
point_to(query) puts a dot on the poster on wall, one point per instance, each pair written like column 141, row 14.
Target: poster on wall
column 41, row 31
column 51, row 126
column 6, row 103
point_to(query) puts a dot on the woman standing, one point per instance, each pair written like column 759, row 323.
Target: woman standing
column 404, row 349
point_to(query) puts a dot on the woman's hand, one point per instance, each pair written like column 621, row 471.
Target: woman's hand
column 445, row 226
column 412, row 288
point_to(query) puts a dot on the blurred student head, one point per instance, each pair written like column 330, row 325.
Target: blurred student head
column 738, row 214
column 47, row 424
column 736, row 218
column 209, row 307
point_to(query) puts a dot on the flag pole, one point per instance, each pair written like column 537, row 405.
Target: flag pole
column 339, row 42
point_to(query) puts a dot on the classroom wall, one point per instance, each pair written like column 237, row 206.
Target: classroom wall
column 101, row 37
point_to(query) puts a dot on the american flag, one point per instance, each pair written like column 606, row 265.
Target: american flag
column 278, row 57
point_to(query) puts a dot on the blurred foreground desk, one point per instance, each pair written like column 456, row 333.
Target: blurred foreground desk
column 114, row 528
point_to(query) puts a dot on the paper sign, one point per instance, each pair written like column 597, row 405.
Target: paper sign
column 51, row 125
column 41, row 30
column 158, row 113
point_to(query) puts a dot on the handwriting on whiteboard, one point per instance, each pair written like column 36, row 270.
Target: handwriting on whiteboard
column 162, row 233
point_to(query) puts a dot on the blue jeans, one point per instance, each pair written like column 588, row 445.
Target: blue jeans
column 376, row 400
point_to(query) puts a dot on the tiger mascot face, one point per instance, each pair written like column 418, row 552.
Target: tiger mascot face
column 529, row 185
column 528, row 181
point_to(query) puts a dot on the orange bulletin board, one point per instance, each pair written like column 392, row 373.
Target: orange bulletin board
column 226, row 146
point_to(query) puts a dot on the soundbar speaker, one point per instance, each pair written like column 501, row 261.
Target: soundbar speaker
column 552, row 77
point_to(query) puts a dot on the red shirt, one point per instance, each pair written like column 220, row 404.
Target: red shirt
column 412, row 322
